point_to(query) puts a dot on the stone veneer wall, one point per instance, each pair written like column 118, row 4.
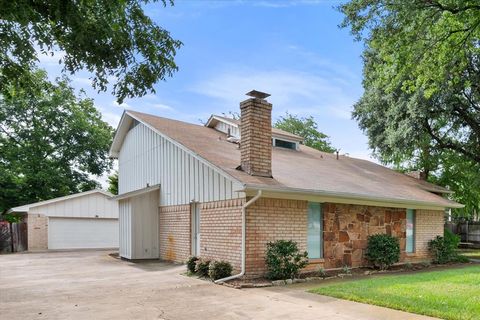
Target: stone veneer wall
column 37, row 232
column 346, row 228
column 221, row 231
column 174, row 233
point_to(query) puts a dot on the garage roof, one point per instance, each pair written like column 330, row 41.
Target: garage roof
column 26, row 207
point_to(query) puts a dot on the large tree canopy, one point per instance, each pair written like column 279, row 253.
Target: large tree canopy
column 51, row 142
column 111, row 39
column 305, row 127
column 421, row 104
column 421, row 72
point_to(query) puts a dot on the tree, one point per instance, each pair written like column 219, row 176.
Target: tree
column 111, row 39
column 421, row 103
column 51, row 142
column 113, row 183
column 421, row 73
column 305, row 127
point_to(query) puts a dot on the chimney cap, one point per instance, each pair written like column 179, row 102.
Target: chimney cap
column 258, row 94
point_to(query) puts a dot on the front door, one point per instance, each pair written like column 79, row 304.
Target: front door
column 195, row 208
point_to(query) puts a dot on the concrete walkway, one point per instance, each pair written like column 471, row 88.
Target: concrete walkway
column 94, row 285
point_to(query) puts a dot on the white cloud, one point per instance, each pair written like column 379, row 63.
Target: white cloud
column 160, row 106
column 297, row 92
column 124, row 105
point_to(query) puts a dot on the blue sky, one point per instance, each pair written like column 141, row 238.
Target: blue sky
column 293, row 50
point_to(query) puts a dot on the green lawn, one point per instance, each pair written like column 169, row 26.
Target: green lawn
column 447, row 294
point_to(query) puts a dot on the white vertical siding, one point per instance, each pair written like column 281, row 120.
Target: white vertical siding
column 138, row 225
column 125, row 225
column 93, row 205
column 149, row 158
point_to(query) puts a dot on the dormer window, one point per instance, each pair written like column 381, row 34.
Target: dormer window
column 284, row 144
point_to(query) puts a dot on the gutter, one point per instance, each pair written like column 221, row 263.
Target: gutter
column 244, row 229
column 351, row 196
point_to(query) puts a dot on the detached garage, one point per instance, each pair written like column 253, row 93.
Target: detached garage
column 84, row 220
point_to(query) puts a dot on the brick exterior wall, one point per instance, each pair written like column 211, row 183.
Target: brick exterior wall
column 174, row 233
column 221, row 231
column 270, row 220
column 428, row 225
column 37, row 225
column 256, row 137
column 345, row 231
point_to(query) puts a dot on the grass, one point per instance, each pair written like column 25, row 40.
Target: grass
column 470, row 253
column 448, row 294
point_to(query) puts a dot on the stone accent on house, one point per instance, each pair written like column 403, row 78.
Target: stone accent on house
column 37, row 230
column 270, row 220
column 256, row 137
column 221, row 231
column 347, row 227
column 174, row 233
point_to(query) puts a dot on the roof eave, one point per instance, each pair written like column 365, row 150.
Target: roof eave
column 353, row 198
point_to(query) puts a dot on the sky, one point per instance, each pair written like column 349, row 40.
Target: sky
column 293, row 50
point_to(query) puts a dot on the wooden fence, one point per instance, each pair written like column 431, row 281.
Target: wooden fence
column 468, row 231
column 19, row 237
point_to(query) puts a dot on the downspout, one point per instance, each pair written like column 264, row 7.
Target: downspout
column 244, row 229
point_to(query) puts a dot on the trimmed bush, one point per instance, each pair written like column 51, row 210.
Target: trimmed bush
column 284, row 260
column 191, row 264
column 444, row 249
column 219, row 269
column 201, row 268
column 382, row 251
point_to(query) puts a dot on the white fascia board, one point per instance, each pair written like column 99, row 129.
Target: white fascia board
column 344, row 197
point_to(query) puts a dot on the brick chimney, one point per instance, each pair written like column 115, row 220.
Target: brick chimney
column 256, row 135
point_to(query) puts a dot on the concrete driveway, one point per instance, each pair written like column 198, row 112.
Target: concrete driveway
column 94, row 285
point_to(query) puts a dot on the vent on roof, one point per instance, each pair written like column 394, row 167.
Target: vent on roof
column 284, row 144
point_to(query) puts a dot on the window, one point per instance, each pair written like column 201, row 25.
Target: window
column 315, row 231
column 285, row 144
column 410, row 247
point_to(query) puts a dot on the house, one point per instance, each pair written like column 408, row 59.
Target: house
column 79, row 221
column 225, row 189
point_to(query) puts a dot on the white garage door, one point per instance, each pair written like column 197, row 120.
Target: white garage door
column 71, row 233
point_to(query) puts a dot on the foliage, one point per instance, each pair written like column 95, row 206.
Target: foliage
column 305, row 127
column 444, row 249
column 192, row 264
column 201, row 268
column 51, row 142
column 113, row 183
column 421, row 104
column 12, row 217
column 346, row 270
column 284, row 260
column 447, row 294
column 322, row 272
column 111, row 39
column 382, row 251
column 219, row 270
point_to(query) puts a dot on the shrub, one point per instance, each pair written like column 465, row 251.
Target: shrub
column 346, row 270
column 219, row 269
column 201, row 268
column 284, row 260
column 444, row 249
column 382, row 251
column 322, row 272
column 191, row 264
